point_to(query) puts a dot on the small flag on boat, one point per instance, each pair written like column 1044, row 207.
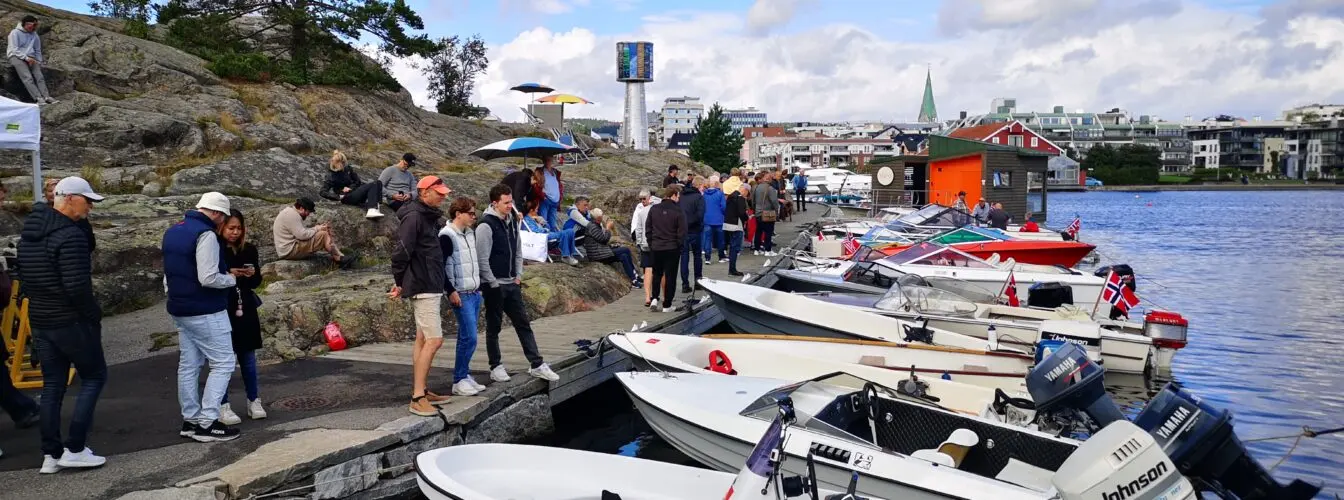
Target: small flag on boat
column 820, row 237
column 850, row 245
column 1074, row 226
column 1119, row 295
column 1012, row 290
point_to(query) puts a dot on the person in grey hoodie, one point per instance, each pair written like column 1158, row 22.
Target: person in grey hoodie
column 399, row 184
column 501, row 266
column 25, row 55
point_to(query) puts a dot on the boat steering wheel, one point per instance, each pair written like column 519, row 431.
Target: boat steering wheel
column 870, row 400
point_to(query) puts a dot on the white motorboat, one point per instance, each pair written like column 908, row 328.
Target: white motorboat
column 1123, row 351
column 901, row 448
column 972, row 374
column 934, row 260
column 495, row 471
column 836, row 180
column 758, row 310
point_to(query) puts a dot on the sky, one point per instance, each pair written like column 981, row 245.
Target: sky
column 831, row 60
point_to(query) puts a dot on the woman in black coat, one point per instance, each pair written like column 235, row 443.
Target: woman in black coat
column 241, row 259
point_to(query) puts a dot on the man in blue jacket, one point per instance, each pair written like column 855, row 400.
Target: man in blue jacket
column 800, row 190
column 198, row 281
column 693, row 206
column 715, row 202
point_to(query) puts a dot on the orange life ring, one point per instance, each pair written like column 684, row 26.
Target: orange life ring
column 719, row 363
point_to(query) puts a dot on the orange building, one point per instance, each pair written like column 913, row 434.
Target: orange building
column 999, row 173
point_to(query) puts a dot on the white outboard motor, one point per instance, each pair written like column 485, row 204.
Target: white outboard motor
column 1069, row 381
column 1122, row 462
column 1199, row 439
column 1085, row 334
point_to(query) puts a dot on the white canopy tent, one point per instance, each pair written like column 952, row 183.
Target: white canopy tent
column 21, row 128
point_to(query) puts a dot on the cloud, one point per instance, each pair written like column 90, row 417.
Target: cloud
column 1172, row 61
column 549, row 7
column 766, row 15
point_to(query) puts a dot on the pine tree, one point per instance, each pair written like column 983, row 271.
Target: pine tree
column 716, row 143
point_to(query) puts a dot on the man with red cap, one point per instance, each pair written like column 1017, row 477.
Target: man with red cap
column 417, row 274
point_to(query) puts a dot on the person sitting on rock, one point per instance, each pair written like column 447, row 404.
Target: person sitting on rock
column 240, row 257
column 563, row 237
column 596, row 241
column 25, row 55
column 343, row 185
column 399, row 183
column 578, row 214
column 294, row 241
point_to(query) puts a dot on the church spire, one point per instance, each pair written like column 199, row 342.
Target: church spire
column 928, row 113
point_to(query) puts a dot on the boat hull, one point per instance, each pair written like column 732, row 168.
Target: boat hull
column 794, row 282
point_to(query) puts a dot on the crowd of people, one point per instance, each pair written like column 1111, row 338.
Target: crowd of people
column 474, row 261
column 992, row 214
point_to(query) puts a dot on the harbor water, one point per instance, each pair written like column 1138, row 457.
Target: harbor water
column 1258, row 274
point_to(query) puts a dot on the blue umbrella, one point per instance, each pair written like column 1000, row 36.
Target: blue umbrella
column 533, row 88
column 522, row 147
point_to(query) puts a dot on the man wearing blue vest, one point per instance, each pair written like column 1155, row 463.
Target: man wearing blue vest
column 198, row 282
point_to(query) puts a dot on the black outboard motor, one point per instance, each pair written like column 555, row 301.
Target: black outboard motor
column 1126, row 279
column 1199, row 439
column 1067, row 382
column 1049, row 295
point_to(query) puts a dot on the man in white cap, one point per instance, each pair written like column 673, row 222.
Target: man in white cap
column 57, row 276
column 198, row 282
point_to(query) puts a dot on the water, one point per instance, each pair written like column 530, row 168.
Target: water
column 1257, row 274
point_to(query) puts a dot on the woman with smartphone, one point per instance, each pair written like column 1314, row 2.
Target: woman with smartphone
column 240, row 257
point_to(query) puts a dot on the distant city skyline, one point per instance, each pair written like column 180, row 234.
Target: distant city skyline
column 807, row 60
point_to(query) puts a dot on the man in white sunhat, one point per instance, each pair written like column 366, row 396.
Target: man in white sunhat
column 198, row 281
column 57, row 276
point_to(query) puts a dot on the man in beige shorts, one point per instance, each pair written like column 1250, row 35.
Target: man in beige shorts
column 294, row 241
column 418, row 273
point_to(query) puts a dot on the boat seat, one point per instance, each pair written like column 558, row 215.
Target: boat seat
column 952, row 450
column 878, row 361
column 993, row 259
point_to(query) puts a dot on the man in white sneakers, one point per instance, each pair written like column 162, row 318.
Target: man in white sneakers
column 463, row 288
column 501, row 266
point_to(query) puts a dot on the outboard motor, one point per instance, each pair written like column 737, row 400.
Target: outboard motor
column 1126, row 279
column 1122, row 462
column 1086, row 334
column 1199, row 439
column 1067, row 382
column 1049, row 295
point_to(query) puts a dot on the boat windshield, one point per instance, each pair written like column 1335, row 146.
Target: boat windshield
column 969, row 234
column 865, row 273
column 886, row 235
column 925, row 300
column 964, row 289
column 937, row 216
column 932, row 254
column 811, row 398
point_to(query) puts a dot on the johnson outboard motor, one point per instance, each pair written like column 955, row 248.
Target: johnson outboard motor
column 1126, row 274
column 1067, row 382
column 1199, row 439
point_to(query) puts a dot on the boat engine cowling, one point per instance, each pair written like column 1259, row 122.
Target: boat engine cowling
column 1121, row 462
column 1199, row 439
column 1049, row 294
column 1069, row 381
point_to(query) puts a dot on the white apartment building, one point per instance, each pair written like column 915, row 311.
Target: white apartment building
column 1204, row 154
column 793, row 153
column 679, row 114
column 1313, row 112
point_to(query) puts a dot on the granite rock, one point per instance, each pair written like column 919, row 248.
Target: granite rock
column 525, row 420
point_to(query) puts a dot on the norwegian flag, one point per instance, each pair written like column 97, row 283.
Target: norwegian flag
column 820, row 237
column 1074, row 227
column 850, row 245
column 1012, row 290
column 1119, row 295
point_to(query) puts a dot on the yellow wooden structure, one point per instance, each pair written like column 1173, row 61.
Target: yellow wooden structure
column 17, row 334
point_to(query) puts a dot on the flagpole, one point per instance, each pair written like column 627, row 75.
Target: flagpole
column 1093, row 316
column 1004, row 288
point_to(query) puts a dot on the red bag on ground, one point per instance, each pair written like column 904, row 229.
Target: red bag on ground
column 332, row 334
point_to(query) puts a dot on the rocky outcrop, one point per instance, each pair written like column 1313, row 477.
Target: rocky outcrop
column 275, row 174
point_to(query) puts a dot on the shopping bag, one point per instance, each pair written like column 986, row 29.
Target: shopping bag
column 533, row 245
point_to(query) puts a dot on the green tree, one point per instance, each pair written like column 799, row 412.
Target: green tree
column 716, row 143
column 452, row 71
column 1129, row 164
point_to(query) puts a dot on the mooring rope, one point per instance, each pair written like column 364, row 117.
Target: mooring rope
column 1307, row 432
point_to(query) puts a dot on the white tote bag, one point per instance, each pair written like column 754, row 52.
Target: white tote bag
column 533, row 245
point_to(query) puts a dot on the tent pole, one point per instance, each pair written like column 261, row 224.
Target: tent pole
column 37, row 177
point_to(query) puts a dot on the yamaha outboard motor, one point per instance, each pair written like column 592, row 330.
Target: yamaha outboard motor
column 1126, row 279
column 1067, row 382
column 1199, row 439
column 1049, row 295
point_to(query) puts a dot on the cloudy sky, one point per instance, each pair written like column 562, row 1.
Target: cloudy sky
column 866, row 60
